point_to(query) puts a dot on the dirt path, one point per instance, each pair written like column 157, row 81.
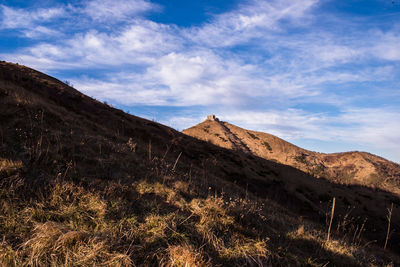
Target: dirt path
column 236, row 141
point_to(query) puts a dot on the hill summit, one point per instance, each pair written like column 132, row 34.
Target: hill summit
column 346, row 168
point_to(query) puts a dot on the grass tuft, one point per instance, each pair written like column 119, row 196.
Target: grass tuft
column 183, row 256
column 53, row 244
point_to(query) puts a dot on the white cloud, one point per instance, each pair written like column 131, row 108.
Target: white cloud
column 379, row 127
column 288, row 124
column 175, row 79
column 126, row 90
column 139, row 43
column 368, row 126
column 332, row 53
column 203, row 78
column 105, row 10
column 40, row 31
column 150, row 37
column 250, row 21
column 388, row 46
column 20, row 18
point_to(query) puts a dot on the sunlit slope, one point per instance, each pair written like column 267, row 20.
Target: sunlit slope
column 348, row 167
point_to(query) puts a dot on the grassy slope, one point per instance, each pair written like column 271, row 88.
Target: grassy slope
column 82, row 183
column 347, row 168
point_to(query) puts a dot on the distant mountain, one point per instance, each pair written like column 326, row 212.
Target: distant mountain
column 346, row 168
column 85, row 184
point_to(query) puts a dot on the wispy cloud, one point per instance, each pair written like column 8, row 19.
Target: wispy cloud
column 116, row 10
column 40, row 31
column 20, row 18
column 140, row 42
column 377, row 128
column 249, row 21
column 179, row 80
column 388, row 46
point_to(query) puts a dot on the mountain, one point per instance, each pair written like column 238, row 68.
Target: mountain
column 346, row 168
column 83, row 184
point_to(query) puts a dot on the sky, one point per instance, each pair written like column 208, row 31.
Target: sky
column 322, row 74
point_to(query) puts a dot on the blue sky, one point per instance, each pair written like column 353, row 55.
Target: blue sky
column 322, row 74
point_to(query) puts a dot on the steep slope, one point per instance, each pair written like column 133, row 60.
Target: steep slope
column 348, row 168
column 82, row 183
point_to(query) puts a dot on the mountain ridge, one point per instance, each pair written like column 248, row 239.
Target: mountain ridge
column 344, row 167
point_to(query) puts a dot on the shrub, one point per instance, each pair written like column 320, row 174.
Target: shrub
column 253, row 136
column 266, row 144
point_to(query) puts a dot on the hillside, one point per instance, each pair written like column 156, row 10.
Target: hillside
column 346, row 168
column 83, row 184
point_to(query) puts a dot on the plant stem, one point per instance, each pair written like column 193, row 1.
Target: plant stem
column 330, row 223
column 389, row 217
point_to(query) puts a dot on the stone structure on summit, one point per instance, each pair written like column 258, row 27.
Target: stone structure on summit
column 212, row 118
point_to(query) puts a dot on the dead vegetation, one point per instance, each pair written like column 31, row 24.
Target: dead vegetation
column 73, row 226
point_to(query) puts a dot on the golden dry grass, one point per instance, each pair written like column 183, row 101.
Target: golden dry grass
column 54, row 245
column 74, row 226
column 183, row 256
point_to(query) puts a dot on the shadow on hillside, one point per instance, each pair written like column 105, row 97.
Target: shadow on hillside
column 307, row 196
column 315, row 252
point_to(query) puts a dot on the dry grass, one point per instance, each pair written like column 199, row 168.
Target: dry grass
column 183, row 256
column 54, row 245
column 247, row 250
column 82, row 209
column 74, row 226
column 9, row 167
column 8, row 256
column 220, row 230
column 212, row 212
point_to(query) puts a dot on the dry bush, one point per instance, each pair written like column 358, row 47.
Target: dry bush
column 8, row 167
column 162, row 190
column 218, row 228
column 181, row 187
column 157, row 228
column 158, row 189
column 214, row 220
column 183, row 256
column 337, row 250
column 212, row 212
column 154, row 228
column 54, row 245
column 245, row 249
column 8, row 256
column 81, row 209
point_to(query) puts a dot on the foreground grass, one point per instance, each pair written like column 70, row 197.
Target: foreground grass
column 152, row 223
